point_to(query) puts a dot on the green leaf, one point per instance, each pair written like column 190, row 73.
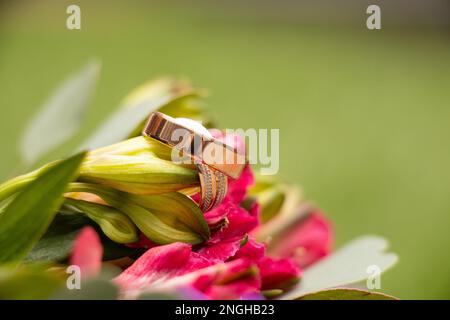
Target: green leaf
column 9, row 188
column 136, row 108
column 346, row 294
column 61, row 116
column 27, row 283
column 346, row 266
column 28, row 215
column 57, row 243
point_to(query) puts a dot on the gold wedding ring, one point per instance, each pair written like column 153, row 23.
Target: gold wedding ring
column 215, row 160
column 213, row 187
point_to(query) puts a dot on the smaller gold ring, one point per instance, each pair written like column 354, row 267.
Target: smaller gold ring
column 207, row 187
column 222, row 188
column 213, row 187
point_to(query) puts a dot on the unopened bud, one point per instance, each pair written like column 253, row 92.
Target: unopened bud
column 114, row 224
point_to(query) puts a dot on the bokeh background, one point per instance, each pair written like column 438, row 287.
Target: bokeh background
column 364, row 116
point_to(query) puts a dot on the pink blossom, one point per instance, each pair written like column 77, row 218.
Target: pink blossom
column 252, row 250
column 159, row 264
column 306, row 242
column 221, row 251
column 231, row 264
column 237, row 189
column 274, row 273
column 87, row 252
column 278, row 274
column 242, row 267
column 240, row 277
column 239, row 223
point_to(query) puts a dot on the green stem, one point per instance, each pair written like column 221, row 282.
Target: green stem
column 16, row 184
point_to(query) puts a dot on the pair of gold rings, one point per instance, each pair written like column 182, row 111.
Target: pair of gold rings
column 215, row 160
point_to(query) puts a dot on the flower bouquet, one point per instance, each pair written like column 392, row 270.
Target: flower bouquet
column 120, row 220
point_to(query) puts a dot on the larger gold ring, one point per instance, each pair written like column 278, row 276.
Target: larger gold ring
column 215, row 160
column 216, row 154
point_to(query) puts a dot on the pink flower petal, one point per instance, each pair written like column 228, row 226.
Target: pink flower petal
column 231, row 280
column 275, row 274
column 278, row 274
column 233, row 290
column 239, row 278
column 306, row 242
column 221, row 251
column 87, row 252
column 216, row 218
column 252, row 250
column 237, row 189
column 161, row 263
column 240, row 222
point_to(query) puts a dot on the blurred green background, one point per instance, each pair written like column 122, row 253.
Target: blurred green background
column 364, row 116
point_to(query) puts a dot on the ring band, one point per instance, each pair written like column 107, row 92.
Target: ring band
column 222, row 188
column 215, row 160
column 213, row 152
column 213, row 186
column 208, row 187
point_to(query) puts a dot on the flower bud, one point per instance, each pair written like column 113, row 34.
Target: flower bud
column 293, row 228
column 133, row 147
column 138, row 165
column 274, row 197
column 164, row 218
column 176, row 97
column 114, row 224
